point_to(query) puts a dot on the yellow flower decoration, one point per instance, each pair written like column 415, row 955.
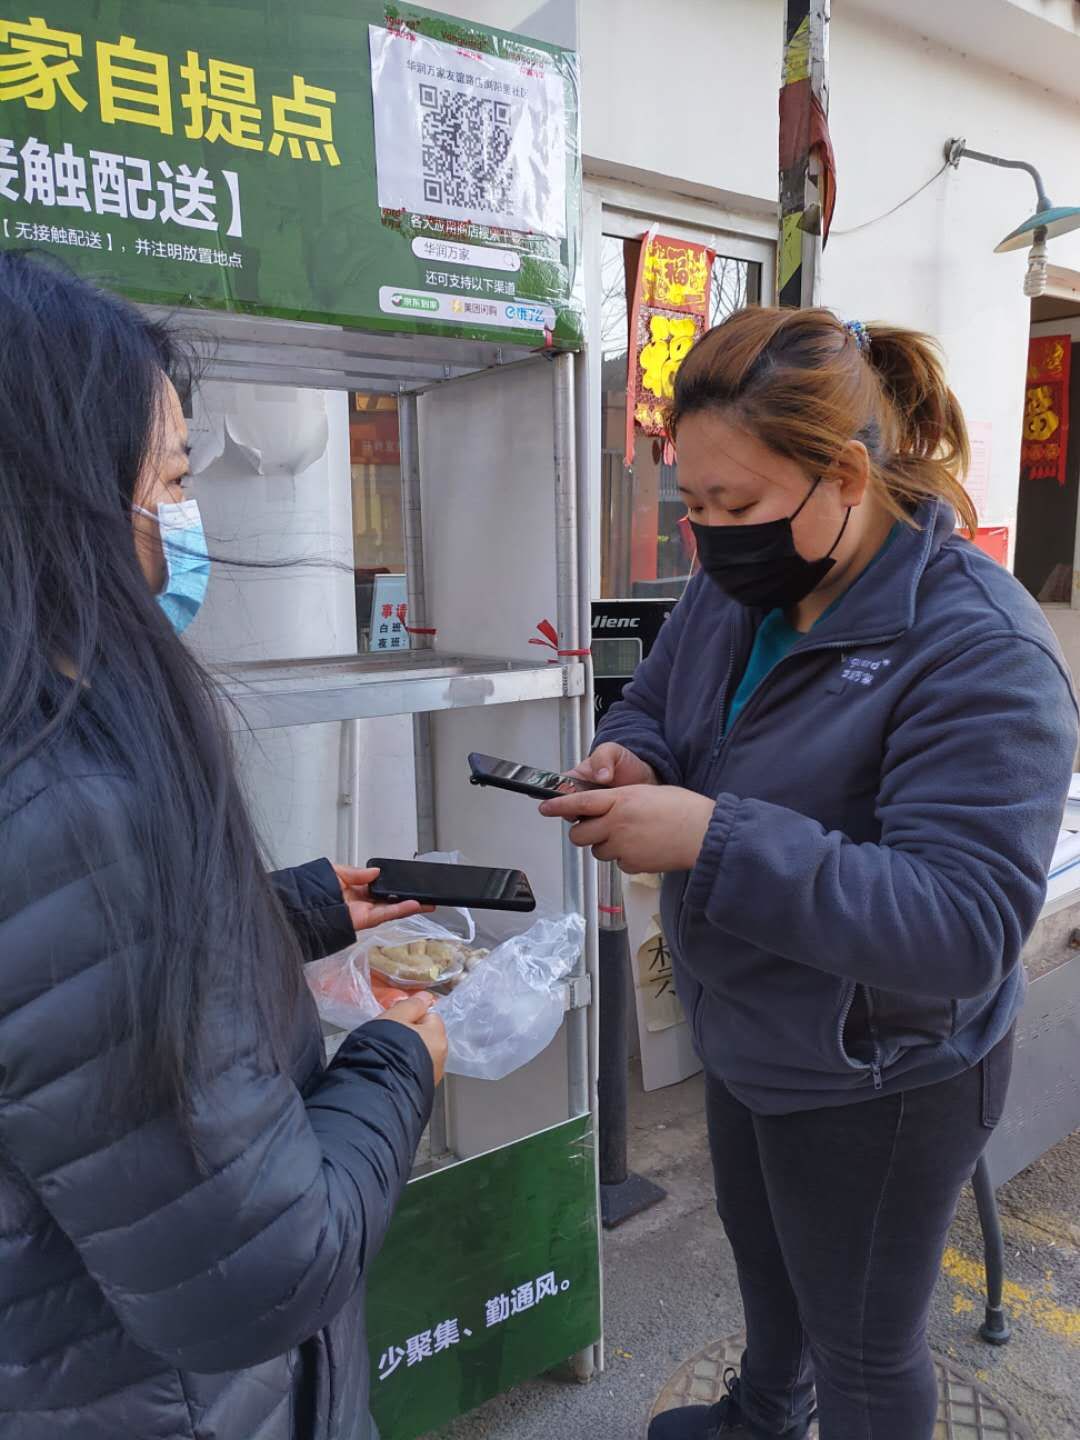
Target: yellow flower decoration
column 670, row 343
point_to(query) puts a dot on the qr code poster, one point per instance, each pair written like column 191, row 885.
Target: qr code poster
column 469, row 137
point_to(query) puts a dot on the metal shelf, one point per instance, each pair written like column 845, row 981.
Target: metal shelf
column 269, row 695
column 330, row 357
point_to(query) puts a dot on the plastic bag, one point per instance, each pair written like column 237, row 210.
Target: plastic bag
column 500, row 1016
column 510, row 1007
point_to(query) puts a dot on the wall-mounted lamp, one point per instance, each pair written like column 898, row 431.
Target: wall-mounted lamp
column 1049, row 220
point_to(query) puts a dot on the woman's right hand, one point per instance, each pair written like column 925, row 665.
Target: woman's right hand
column 417, row 1015
column 613, row 765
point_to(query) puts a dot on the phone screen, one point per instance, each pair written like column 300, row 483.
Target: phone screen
column 451, row 884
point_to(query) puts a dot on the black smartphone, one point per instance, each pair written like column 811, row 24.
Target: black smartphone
column 470, row 887
column 524, row 779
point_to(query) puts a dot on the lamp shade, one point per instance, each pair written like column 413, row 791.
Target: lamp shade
column 1057, row 221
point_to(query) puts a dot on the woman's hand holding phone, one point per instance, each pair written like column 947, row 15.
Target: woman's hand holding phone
column 365, row 911
column 614, row 766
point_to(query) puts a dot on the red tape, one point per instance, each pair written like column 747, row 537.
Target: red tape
column 550, row 640
column 416, row 630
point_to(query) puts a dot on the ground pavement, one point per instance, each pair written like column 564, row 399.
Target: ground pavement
column 671, row 1289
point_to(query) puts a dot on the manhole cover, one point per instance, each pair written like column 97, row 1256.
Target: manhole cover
column 967, row 1410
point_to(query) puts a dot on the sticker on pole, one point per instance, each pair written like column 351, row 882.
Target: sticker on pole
column 466, row 136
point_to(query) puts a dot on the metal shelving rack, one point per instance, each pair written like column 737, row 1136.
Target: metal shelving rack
column 424, row 681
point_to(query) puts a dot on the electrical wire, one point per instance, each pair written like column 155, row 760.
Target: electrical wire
column 853, row 229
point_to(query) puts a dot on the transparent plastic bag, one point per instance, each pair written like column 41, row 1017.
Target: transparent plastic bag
column 509, row 1009
column 500, row 1016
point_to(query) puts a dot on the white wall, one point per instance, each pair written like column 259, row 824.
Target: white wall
column 683, row 95
column 555, row 21
column 896, row 98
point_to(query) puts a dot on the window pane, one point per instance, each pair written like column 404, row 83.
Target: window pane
column 643, row 552
column 300, row 491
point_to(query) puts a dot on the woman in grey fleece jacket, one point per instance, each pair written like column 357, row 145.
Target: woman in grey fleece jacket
column 848, row 754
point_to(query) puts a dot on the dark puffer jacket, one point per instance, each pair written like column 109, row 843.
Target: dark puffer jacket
column 140, row 1297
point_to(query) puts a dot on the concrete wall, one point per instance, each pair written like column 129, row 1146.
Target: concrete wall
column 896, row 97
column 688, row 102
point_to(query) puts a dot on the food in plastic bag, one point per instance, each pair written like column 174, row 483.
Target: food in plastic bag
column 424, row 964
column 507, row 1002
column 343, row 990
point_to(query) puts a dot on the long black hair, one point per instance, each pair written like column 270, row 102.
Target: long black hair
column 90, row 666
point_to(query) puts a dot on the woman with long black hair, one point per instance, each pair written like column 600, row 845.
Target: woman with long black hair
column 189, row 1200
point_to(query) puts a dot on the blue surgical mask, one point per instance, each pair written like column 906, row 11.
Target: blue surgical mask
column 187, row 561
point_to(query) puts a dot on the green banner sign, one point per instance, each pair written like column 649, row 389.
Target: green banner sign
column 346, row 161
column 490, row 1275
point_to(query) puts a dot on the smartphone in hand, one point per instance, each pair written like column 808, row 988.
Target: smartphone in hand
column 524, row 779
column 465, row 887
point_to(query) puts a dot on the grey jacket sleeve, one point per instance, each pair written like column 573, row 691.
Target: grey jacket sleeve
column 212, row 1266
column 973, row 785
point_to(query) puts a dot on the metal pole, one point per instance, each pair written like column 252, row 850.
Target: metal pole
column 805, row 78
column 614, row 1017
column 568, row 624
column 423, row 747
column 623, row 1193
column 995, row 1329
column 957, row 150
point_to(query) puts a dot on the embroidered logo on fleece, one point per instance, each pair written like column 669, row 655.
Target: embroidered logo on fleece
column 857, row 670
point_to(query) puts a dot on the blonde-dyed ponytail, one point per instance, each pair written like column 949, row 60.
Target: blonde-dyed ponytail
column 930, row 452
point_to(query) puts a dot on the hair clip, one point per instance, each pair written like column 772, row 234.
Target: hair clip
column 859, row 333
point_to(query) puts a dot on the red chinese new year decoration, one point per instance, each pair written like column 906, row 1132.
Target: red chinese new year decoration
column 1046, row 409
column 993, row 540
column 669, row 312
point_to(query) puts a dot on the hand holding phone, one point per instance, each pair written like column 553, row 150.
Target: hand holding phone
column 611, row 765
column 524, row 779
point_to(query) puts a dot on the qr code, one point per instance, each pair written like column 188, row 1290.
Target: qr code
column 466, row 162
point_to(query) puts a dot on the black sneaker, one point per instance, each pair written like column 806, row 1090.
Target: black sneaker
column 713, row 1422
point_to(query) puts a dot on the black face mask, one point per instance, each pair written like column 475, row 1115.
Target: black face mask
column 758, row 565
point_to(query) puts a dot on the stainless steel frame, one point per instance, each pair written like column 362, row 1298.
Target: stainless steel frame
column 348, row 689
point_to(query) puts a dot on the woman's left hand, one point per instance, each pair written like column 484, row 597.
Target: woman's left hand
column 365, row 912
column 647, row 829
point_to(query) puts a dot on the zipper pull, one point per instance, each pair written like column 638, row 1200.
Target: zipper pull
column 875, row 1070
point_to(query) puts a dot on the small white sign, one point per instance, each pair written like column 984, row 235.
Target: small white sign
column 389, row 614
column 468, row 136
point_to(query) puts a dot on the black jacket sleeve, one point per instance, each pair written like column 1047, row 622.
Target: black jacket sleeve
column 216, row 1265
column 311, row 896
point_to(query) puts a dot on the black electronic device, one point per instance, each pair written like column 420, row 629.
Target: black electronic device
column 466, row 887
